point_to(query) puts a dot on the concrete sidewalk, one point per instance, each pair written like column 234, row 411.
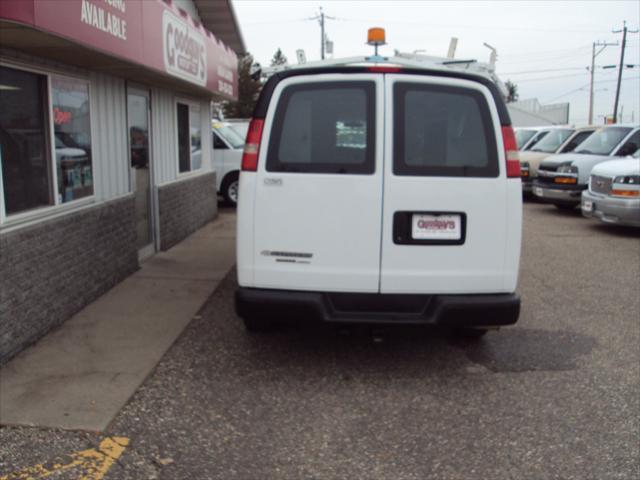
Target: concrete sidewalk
column 80, row 375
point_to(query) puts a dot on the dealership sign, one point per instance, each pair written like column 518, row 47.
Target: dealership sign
column 185, row 53
column 151, row 33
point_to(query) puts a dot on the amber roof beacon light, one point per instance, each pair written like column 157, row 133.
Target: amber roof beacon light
column 376, row 37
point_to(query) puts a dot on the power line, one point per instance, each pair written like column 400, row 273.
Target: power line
column 568, row 93
column 608, row 72
column 274, row 22
column 603, row 67
column 546, row 52
column 586, row 85
column 551, row 78
column 547, row 59
column 542, row 71
column 466, row 27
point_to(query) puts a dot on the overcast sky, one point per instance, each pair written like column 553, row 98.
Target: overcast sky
column 543, row 46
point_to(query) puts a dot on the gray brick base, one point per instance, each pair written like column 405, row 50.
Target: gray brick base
column 185, row 206
column 51, row 270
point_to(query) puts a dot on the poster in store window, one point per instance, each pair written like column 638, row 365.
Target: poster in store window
column 72, row 130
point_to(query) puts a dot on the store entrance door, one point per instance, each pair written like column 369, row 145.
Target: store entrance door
column 141, row 169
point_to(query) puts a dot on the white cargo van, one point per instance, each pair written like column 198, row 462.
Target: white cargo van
column 381, row 191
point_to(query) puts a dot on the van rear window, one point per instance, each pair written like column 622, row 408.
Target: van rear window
column 442, row 131
column 324, row 127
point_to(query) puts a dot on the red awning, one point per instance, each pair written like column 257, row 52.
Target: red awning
column 127, row 35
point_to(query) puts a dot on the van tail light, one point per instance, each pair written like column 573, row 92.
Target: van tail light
column 511, row 152
column 252, row 146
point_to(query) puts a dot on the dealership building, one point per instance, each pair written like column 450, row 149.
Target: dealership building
column 105, row 144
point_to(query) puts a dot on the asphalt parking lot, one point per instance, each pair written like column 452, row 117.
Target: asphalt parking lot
column 556, row 396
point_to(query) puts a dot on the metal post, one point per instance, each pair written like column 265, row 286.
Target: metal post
column 624, row 43
column 594, row 54
column 593, row 64
column 321, row 17
column 321, row 34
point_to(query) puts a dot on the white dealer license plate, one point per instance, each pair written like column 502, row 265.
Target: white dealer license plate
column 537, row 191
column 436, row 227
column 587, row 206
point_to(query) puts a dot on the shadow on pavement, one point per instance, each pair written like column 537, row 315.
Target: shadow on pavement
column 523, row 350
column 404, row 352
column 614, row 230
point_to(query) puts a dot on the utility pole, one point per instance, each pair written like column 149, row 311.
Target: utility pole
column 322, row 34
column 594, row 54
column 321, row 17
column 624, row 44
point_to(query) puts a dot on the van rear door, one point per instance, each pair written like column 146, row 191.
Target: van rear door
column 445, row 189
column 318, row 190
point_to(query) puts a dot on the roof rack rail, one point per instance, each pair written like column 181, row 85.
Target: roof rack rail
column 407, row 60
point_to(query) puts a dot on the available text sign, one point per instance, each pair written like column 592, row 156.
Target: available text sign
column 146, row 32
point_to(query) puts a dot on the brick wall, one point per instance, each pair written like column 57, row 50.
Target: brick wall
column 51, row 270
column 185, row 206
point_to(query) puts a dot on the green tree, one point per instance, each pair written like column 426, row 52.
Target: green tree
column 512, row 91
column 248, row 91
column 278, row 58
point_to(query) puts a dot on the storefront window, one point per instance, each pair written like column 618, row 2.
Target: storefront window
column 26, row 169
column 33, row 160
column 189, row 138
column 195, row 129
column 70, row 106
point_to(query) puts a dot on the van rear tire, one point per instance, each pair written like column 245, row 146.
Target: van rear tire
column 470, row 333
column 258, row 325
column 566, row 207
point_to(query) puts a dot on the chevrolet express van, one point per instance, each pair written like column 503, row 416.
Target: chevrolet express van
column 562, row 178
column 384, row 191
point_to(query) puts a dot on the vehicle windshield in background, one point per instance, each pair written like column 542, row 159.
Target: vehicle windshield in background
column 232, row 137
column 603, row 141
column 537, row 137
column 241, row 128
column 523, row 136
column 551, row 141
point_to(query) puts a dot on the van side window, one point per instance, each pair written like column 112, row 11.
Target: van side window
column 218, row 144
column 630, row 146
column 324, row 128
column 442, row 131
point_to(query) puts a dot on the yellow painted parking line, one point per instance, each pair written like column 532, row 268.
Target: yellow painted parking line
column 92, row 464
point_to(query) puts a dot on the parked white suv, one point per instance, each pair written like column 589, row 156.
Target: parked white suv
column 380, row 193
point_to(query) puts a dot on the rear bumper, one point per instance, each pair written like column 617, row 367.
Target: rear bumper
column 620, row 211
column 492, row 310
